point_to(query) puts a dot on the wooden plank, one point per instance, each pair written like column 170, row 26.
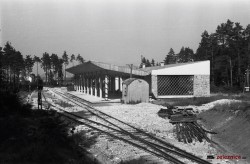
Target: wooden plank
column 182, row 119
column 182, row 133
column 191, row 132
column 178, row 131
column 188, row 137
column 196, row 132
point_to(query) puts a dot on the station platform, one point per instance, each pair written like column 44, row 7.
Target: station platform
column 94, row 99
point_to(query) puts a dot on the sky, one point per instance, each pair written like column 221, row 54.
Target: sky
column 114, row 31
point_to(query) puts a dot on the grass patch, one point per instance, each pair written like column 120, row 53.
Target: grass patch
column 37, row 136
column 231, row 107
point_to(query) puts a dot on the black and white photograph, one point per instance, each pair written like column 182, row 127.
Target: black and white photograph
column 124, row 82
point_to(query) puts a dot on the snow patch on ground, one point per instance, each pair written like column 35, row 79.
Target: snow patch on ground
column 211, row 105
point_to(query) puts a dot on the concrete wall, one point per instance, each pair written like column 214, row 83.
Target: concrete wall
column 201, row 85
column 154, row 87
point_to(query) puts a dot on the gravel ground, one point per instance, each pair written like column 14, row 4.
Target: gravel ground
column 144, row 116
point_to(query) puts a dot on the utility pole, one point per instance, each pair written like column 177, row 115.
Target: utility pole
column 131, row 69
column 231, row 72
column 247, row 74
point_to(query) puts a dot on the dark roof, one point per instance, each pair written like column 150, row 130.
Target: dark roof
column 92, row 66
column 128, row 81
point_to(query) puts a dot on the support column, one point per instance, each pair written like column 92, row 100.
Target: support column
column 84, row 84
column 87, row 85
column 122, row 79
column 91, row 86
column 109, row 83
column 80, row 80
column 78, row 86
column 119, row 83
column 106, row 87
column 113, row 85
column 74, row 83
column 95, row 87
column 100, row 86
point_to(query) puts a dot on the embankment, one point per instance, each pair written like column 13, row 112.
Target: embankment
column 232, row 123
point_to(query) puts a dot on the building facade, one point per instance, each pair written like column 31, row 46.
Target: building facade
column 169, row 81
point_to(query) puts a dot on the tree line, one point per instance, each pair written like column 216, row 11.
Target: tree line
column 228, row 49
column 186, row 54
column 15, row 67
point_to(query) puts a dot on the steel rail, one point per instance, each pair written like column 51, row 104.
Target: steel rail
column 177, row 151
column 161, row 155
column 122, row 131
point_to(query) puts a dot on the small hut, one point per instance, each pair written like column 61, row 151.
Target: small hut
column 135, row 91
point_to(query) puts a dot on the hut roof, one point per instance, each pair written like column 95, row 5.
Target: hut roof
column 129, row 81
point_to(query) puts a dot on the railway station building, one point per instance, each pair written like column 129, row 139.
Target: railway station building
column 169, row 81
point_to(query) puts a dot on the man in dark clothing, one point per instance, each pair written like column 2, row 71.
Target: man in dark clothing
column 40, row 88
column 40, row 84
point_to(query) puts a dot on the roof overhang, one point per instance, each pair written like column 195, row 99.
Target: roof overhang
column 192, row 68
column 92, row 66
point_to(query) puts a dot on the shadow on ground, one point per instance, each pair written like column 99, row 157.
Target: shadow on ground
column 232, row 123
column 38, row 136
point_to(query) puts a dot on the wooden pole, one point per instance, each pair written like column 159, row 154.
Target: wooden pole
column 84, row 84
column 106, row 87
column 131, row 68
column 91, row 86
column 100, row 88
column 95, row 87
column 87, row 85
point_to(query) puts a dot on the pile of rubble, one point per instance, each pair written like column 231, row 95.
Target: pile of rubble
column 186, row 127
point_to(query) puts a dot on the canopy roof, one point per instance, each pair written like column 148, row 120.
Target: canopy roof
column 92, row 66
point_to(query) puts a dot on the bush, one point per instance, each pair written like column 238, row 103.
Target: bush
column 225, row 89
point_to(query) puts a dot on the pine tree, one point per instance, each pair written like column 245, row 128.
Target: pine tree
column 46, row 65
column 153, row 62
column 170, row 57
column 65, row 59
column 80, row 59
column 72, row 59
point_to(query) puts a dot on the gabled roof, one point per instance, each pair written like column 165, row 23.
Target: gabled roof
column 129, row 81
column 92, row 66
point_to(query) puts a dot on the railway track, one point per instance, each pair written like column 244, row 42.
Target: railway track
column 125, row 132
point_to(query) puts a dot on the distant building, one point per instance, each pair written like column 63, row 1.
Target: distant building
column 179, row 80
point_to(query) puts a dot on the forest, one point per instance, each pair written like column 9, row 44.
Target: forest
column 228, row 49
column 15, row 68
